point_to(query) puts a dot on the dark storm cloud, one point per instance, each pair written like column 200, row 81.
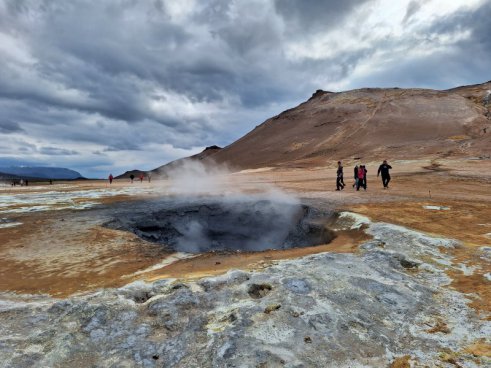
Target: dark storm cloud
column 97, row 82
column 55, row 151
column 476, row 21
column 465, row 62
column 123, row 146
column 8, row 126
column 315, row 14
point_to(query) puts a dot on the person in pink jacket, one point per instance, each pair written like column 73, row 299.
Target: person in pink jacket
column 362, row 178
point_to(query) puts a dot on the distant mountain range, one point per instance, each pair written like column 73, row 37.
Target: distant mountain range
column 56, row 173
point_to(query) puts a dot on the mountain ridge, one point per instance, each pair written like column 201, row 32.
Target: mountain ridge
column 366, row 123
column 369, row 122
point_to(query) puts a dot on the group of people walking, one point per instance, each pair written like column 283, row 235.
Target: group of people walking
column 360, row 176
column 132, row 177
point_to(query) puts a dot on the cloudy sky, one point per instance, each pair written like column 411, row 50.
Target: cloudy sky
column 107, row 86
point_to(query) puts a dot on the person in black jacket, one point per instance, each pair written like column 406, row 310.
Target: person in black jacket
column 339, row 177
column 384, row 170
column 355, row 184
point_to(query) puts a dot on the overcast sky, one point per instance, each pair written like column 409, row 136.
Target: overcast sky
column 106, row 86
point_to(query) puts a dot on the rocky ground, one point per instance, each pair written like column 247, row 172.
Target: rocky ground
column 405, row 283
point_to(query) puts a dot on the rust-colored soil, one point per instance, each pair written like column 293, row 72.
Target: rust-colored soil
column 439, row 327
column 401, row 362
column 465, row 221
column 60, row 258
column 479, row 348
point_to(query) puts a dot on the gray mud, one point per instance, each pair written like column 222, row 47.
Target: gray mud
column 244, row 223
column 324, row 310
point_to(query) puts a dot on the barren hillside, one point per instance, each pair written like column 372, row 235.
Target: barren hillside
column 207, row 152
column 369, row 123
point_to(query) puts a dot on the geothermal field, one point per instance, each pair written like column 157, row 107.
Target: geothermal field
column 266, row 267
column 247, row 256
column 195, row 184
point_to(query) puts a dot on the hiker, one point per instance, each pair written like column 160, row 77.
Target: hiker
column 355, row 184
column 132, row 177
column 149, row 176
column 384, row 170
column 27, row 182
column 111, row 177
column 362, row 178
column 339, row 177
column 141, row 177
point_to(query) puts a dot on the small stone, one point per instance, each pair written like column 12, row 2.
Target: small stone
column 295, row 314
column 408, row 264
column 155, row 357
column 272, row 307
column 307, row 339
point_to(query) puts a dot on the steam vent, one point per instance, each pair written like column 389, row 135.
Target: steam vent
column 241, row 224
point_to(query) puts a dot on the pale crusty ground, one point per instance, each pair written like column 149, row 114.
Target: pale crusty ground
column 48, row 254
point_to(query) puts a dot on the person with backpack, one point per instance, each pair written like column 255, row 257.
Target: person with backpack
column 384, row 170
column 339, row 177
column 111, row 178
column 132, row 177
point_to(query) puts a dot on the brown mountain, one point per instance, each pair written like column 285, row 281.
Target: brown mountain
column 367, row 123
column 370, row 123
column 207, row 152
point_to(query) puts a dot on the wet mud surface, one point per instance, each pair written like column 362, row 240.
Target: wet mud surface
column 243, row 224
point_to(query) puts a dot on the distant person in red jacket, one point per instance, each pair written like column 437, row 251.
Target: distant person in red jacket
column 355, row 184
column 141, row 177
column 111, row 178
column 362, row 178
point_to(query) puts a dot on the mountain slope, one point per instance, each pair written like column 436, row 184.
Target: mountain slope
column 136, row 173
column 203, row 155
column 370, row 123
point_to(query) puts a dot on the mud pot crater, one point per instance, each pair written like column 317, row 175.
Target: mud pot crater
column 197, row 226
